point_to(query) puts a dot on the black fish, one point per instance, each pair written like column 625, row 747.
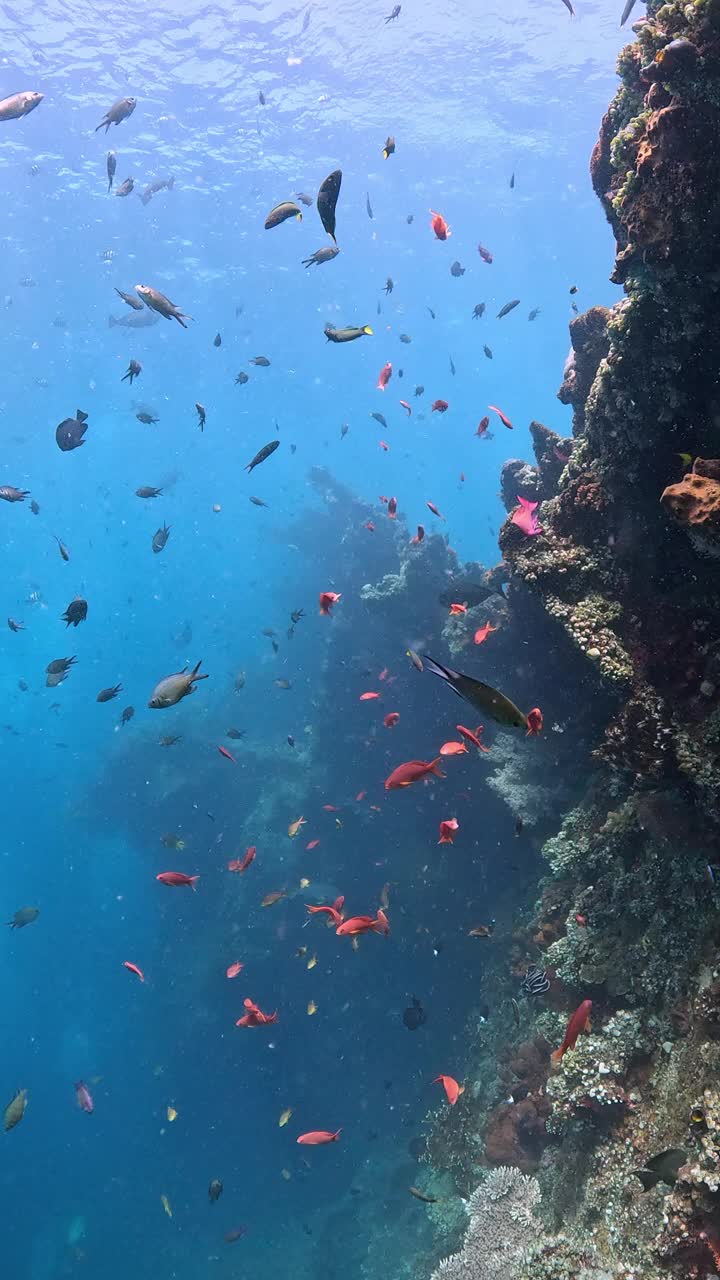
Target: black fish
column 111, row 166
column 457, row 270
column 368, row 206
column 535, row 982
column 481, row 696
column 478, row 311
column 263, row 454
column 261, row 98
column 69, row 434
column 512, row 175
column 107, row 695
column 327, row 199
column 389, row 285
column 420, row 390
column 452, row 366
column 509, row 306
column 217, row 340
column 394, row 13
column 379, row 418
column 662, row 1168
column 133, row 371
column 147, row 491
column 201, row 413
column 241, row 379
column 414, row 1016
column 75, row 613
column 488, row 352
column 127, row 715
column 465, row 588
column 160, row 538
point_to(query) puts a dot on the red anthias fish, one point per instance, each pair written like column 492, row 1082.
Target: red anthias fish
column 482, row 633
column 502, row 416
column 535, row 721
column 364, row 924
column 407, row 407
column 128, row 964
column 384, row 376
column 415, row 542
column 84, row 1097
column 177, row 879
column 327, row 600
column 485, row 254
column 318, row 1137
column 473, row 737
column 483, row 425
column 579, row 1022
column 228, row 756
column 392, row 508
column 255, row 1016
column 412, row 771
column 391, row 719
column 369, row 696
column 453, row 749
column 241, row 865
column 524, row 517
column 451, row 1087
column 439, row 406
column 431, row 507
column 448, row 827
column 334, row 912
column 439, row 226
column 458, row 609
column 384, row 446
column 234, row 969
column 369, row 525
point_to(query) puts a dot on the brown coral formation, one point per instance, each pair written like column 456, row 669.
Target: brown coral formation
column 694, row 503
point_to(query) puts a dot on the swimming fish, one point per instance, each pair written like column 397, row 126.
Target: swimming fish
column 15, row 1109
column 414, row 1016
column 326, row 254
column 318, row 1137
column 281, row 213
column 664, row 1167
column 629, row 6
column 157, row 301
column 368, row 206
column 70, row 432
column 482, row 696
column 535, row 982
column 580, row 1021
column 23, row 917
column 348, row 334
column 264, row 453
column 20, row 104
column 389, row 148
column 509, row 306
column 111, row 166
column 451, row 1087
column 412, row 771
column 172, row 689
column 327, row 199
column 118, row 112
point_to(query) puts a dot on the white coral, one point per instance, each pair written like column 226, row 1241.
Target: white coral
column 502, row 1226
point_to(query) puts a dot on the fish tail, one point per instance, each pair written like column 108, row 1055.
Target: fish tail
column 556, row 1056
column 434, row 768
column 193, row 882
column 367, row 329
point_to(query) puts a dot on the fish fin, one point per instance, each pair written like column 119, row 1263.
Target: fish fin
column 647, row 1178
column 367, row 329
column 556, row 1056
column 81, row 417
column 450, row 677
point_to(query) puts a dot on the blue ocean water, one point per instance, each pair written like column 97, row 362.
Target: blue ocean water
column 472, row 93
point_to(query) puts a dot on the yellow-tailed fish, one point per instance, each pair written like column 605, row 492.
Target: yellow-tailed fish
column 166, row 1206
column 284, row 1117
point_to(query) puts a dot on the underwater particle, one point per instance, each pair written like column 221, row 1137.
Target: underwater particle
column 20, row 104
column 579, row 1022
column 389, row 148
column 448, row 827
column 327, row 199
column 157, row 301
column 215, row 1190
column 284, row 1117
column 414, row 1016
column 451, row 1087
column 166, row 1205
column 84, row 1097
column 160, row 537
column 177, row 880
column 282, row 213
column 173, row 688
column 216, row 508
column 264, row 453
column 132, row 372
column 125, row 188
column 664, row 1167
column 439, row 226
column 70, row 432
column 118, row 112
column 485, row 254
column 147, row 491
column 349, row 334
column 326, row 254
column 133, row 968
column 15, row 1110
column 24, row 916
column 404, row 775
column 318, row 1137
column 482, row 696
column 509, row 306
column 75, row 613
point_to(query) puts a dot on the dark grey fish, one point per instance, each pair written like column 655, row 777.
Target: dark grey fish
column 452, row 366
column 414, row 1016
column 534, row 313
column 119, row 110
column 125, row 187
column 241, row 379
column 394, row 13
column 483, row 697
column 75, row 613
column 23, row 917
column 217, row 340
column 478, row 311
column 303, row 198
column 327, row 199
column 215, row 1190
column 419, row 390
column 346, row 335
column 488, row 351
column 133, row 371
column 160, row 538
column 379, row 418
column 201, row 413
column 111, row 166
column 629, row 6
column 107, row 695
column 142, row 321
column 160, row 184
column 368, row 206
column 509, row 306
column 131, row 299
column 457, row 270
column 662, row 1168
column 62, row 549
column 9, row 493
column 69, row 433
column 147, row 491
column 326, row 254
column 264, row 453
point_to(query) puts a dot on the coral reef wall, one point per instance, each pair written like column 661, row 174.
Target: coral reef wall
column 625, row 573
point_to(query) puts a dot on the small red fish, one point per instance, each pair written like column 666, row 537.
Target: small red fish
column 457, row 609
column 482, row 633
column 483, row 425
column 332, row 808
column 412, row 771
column 241, row 865
column 485, row 254
column 473, row 737
column 369, row 525
column 561, row 457
column 451, row 1087
column 431, row 507
column 368, row 697
column 334, row 911
column 318, row 1137
column 360, row 796
column 84, row 1097
column 392, row 508
column 327, row 600
column 391, row 719
column 385, row 376
column 439, row 406
column 407, row 407
column 364, row 924
column 383, row 675
column 383, row 445
column 503, row 418
column 448, row 827
column 234, row 969
column 580, row 1021
column 453, row 749
column 535, row 721
column 313, row 844
column 415, row 542
column 581, row 920
column 439, row 226
column 462, row 477
column 177, row 879
column 224, row 752
column 255, row 1016
column 128, row 964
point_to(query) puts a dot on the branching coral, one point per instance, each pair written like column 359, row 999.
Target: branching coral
column 502, row 1227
